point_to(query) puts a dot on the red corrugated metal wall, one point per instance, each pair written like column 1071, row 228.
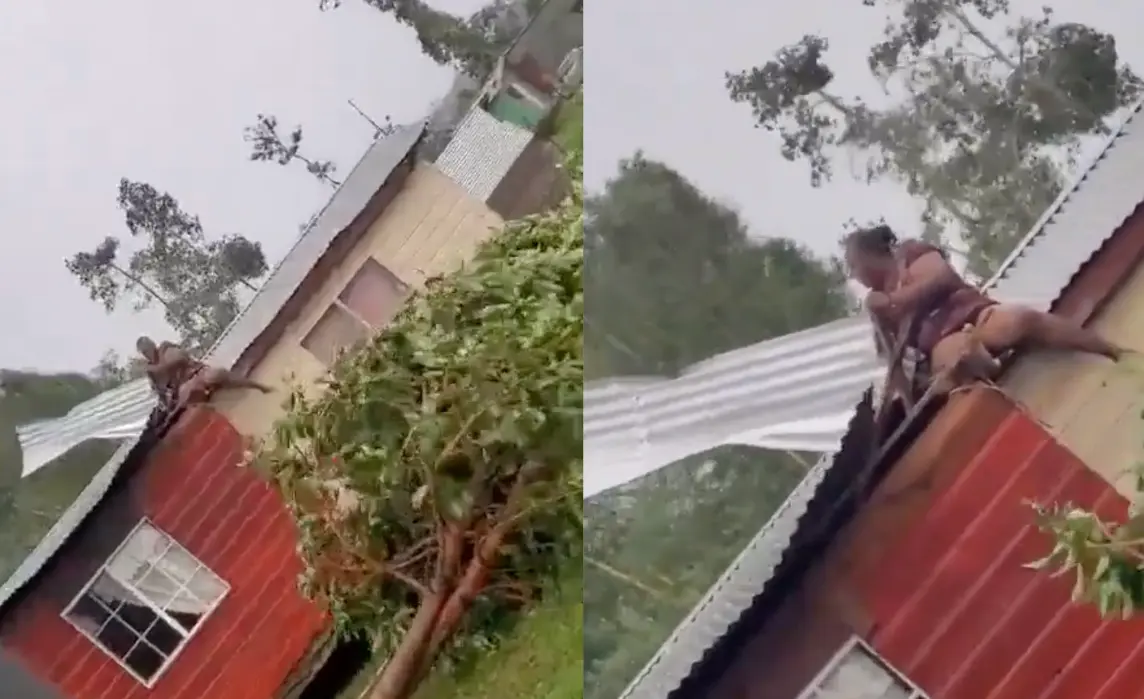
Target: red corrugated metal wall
column 954, row 609
column 238, row 526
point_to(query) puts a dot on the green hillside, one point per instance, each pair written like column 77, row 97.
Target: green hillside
column 28, row 508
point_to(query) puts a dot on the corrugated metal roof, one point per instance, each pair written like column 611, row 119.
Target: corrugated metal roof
column 370, row 173
column 635, row 426
column 67, row 524
column 122, row 412
column 116, row 414
column 1082, row 219
column 794, row 392
column 481, row 152
column 126, row 410
column 734, row 591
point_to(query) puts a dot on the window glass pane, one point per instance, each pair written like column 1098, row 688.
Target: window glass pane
column 156, row 586
column 859, row 676
column 207, row 587
column 142, row 606
column 144, row 660
column 117, row 637
column 89, row 613
column 374, row 293
column 145, row 546
column 163, row 636
column 179, row 565
column 335, row 330
column 112, row 595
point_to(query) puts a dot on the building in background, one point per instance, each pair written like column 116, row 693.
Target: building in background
column 500, row 151
column 543, row 65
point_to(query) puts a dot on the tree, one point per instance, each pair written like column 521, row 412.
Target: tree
column 439, row 474
column 470, row 45
column 981, row 132
column 673, row 278
column 1106, row 559
column 684, row 281
column 194, row 279
column 267, row 145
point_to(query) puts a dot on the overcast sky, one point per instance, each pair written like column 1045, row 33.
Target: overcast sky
column 159, row 91
column 655, row 81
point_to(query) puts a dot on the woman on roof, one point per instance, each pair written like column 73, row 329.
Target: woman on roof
column 181, row 380
column 913, row 289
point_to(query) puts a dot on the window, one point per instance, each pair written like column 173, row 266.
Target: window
column 857, row 672
column 368, row 302
column 146, row 602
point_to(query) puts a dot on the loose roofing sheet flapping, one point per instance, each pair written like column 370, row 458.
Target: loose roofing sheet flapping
column 798, row 391
column 1074, row 229
column 795, row 392
column 123, row 412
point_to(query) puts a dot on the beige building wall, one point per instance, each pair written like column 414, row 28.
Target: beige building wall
column 431, row 227
column 1091, row 405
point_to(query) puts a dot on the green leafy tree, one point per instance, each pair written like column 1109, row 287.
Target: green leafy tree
column 437, row 479
column 269, row 146
column 1104, row 559
column 673, row 278
column 195, row 279
column 982, row 132
column 470, row 45
column 676, row 278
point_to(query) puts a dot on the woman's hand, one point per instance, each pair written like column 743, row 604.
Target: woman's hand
column 879, row 302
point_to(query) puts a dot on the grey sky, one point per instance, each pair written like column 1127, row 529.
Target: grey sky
column 160, row 92
column 655, row 71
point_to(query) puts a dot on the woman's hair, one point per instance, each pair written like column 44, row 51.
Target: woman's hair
column 877, row 240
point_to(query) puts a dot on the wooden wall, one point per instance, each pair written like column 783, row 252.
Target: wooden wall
column 931, row 575
column 232, row 520
column 1091, row 405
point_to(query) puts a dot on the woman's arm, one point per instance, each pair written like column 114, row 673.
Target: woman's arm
column 927, row 276
column 171, row 357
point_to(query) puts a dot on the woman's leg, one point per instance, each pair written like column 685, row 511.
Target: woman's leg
column 961, row 358
column 1004, row 327
column 215, row 379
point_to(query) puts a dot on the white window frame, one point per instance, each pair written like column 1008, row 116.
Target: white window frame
column 342, row 305
column 187, row 637
column 854, row 643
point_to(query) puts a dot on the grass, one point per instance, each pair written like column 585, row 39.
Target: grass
column 541, row 659
column 569, row 125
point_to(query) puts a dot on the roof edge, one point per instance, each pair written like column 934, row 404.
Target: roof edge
column 244, row 357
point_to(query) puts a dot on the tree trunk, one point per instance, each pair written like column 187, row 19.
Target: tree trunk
column 963, row 19
column 472, row 584
column 949, row 204
column 142, row 285
column 402, row 670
